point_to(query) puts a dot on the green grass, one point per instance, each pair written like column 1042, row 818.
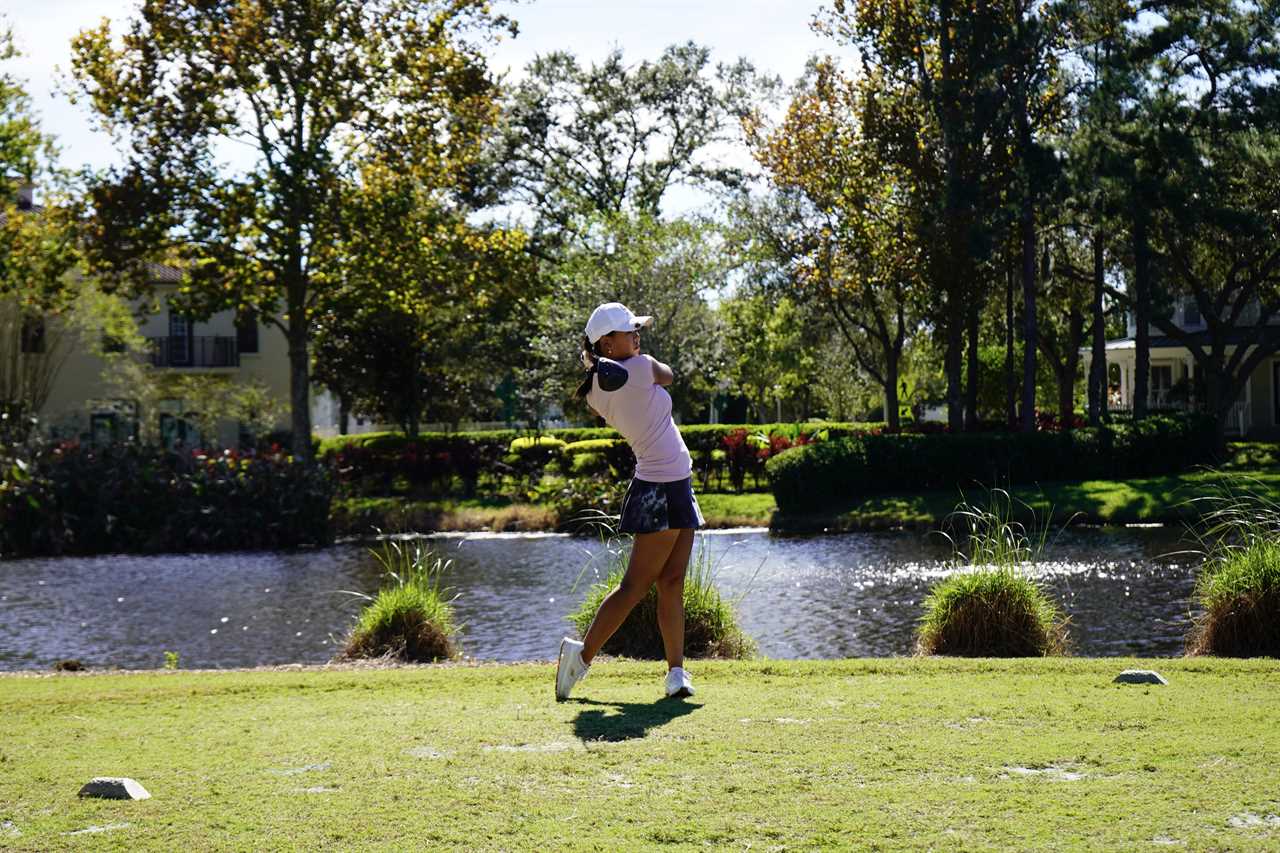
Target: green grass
column 1035, row 754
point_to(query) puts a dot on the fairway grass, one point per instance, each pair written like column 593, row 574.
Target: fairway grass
column 867, row 754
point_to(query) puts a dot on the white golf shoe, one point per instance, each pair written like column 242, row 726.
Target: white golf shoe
column 571, row 669
column 679, row 683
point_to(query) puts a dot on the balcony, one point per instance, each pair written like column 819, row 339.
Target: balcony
column 202, row 351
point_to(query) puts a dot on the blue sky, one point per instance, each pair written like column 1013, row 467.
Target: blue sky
column 773, row 34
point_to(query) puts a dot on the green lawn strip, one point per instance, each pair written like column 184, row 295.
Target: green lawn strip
column 1166, row 499
column 903, row 753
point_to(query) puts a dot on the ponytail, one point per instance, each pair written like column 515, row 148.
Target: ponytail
column 590, row 360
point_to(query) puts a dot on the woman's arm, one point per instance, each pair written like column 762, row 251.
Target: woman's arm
column 662, row 374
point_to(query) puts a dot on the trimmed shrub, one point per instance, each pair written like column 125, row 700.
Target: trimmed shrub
column 710, row 625
column 1239, row 583
column 409, row 619
column 810, row 477
column 991, row 607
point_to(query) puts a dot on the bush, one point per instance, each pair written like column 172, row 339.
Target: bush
column 1239, row 583
column 70, row 498
column 710, row 626
column 991, row 607
column 809, row 477
column 409, row 619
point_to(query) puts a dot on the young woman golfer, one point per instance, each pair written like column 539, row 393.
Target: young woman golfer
column 625, row 388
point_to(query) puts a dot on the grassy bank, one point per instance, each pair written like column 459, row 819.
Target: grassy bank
column 1152, row 500
column 902, row 754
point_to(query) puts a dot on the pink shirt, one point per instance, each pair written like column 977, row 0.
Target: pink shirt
column 641, row 411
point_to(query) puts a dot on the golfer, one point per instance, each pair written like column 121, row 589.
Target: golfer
column 626, row 389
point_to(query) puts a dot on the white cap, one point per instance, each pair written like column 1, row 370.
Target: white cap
column 613, row 317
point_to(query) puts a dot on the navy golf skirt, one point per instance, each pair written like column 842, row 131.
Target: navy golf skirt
column 650, row 507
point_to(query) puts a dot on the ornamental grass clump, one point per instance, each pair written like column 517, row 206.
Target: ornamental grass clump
column 1239, row 583
column 409, row 619
column 991, row 606
column 710, row 623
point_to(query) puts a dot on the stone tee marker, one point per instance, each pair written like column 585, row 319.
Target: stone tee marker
column 114, row 788
column 1139, row 676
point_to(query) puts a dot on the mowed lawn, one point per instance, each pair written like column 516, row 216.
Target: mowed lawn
column 869, row 754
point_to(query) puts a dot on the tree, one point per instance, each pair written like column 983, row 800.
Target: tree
column 304, row 94
column 435, row 342
column 934, row 108
column 856, row 256
column 38, row 292
column 1196, row 158
column 610, row 139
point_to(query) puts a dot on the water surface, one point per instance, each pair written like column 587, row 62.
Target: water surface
column 851, row 595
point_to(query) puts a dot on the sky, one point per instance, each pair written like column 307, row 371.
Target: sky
column 773, row 34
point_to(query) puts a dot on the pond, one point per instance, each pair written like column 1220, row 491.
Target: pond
column 852, row 595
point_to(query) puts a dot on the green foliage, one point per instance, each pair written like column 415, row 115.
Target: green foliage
column 536, row 444
column 1239, row 583
column 990, row 606
column 710, row 626
column 322, row 101
column 409, row 619
column 73, row 499
column 809, row 477
column 172, row 660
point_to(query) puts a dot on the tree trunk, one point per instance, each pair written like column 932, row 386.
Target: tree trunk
column 299, row 380
column 1027, row 228
column 344, row 415
column 1098, row 384
column 1142, row 314
column 1071, row 367
column 891, row 390
column 954, row 362
column 1010, row 382
column 974, row 369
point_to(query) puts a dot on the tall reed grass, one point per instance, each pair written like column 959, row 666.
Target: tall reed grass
column 991, row 606
column 710, row 623
column 1239, row 583
column 409, row 619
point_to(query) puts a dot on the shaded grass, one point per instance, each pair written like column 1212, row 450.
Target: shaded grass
column 900, row 754
column 710, row 625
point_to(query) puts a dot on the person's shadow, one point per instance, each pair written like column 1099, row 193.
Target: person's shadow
column 633, row 720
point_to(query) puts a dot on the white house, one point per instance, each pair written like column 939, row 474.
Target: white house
column 1173, row 370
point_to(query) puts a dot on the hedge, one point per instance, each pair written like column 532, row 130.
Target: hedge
column 70, row 498
column 446, row 463
column 809, row 477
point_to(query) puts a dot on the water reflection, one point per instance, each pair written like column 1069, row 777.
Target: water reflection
column 815, row 597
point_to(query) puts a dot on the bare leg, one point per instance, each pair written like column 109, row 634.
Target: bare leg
column 671, row 599
column 649, row 554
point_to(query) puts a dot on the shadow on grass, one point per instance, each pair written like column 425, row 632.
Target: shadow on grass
column 632, row 719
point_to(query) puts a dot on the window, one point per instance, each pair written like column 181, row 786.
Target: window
column 247, row 334
column 33, row 335
column 1191, row 313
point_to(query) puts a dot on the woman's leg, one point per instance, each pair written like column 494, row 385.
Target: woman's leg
column 649, row 552
column 671, row 599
